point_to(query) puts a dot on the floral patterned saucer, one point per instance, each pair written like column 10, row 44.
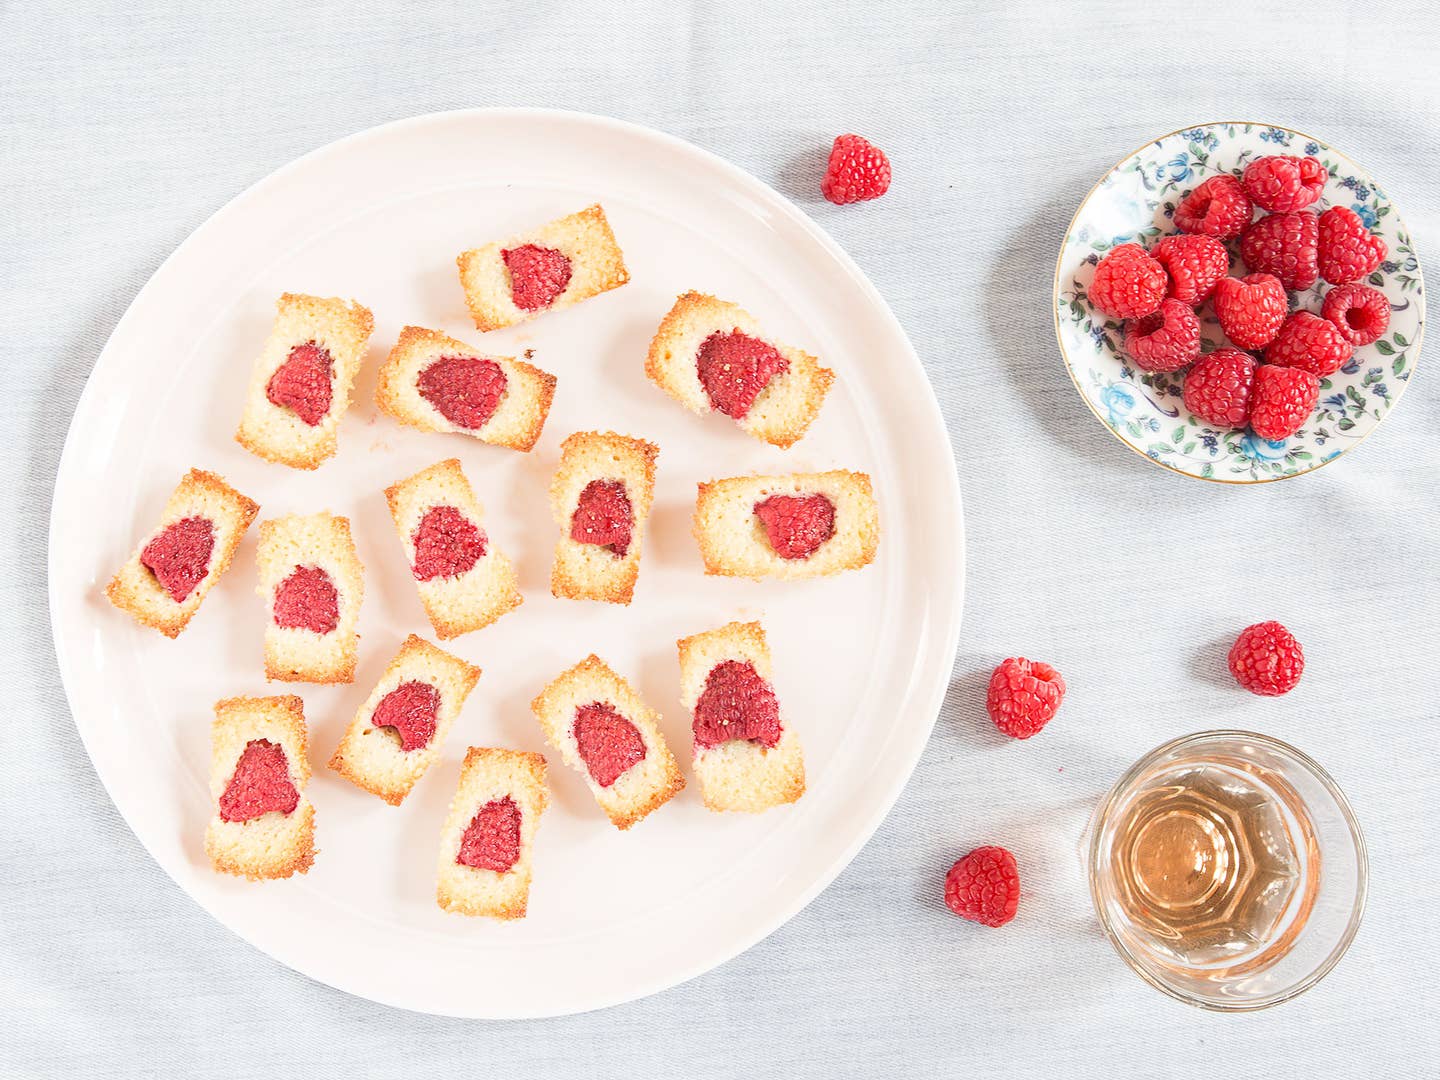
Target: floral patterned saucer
column 1134, row 202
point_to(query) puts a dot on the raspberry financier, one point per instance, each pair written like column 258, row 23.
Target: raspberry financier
column 464, row 581
column 169, row 574
column 746, row 757
column 263, row 827
column 436, row 383
column 399, row 731
column 600, row 497
column 313, row 584
column 800, row 525
column 612, row 738
column 300, row 385
column 487, row 842
column 711, row 356
column 555, row 266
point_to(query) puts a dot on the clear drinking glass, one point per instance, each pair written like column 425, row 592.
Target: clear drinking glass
column 1228, row 870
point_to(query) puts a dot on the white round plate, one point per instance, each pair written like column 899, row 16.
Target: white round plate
column 861, row 660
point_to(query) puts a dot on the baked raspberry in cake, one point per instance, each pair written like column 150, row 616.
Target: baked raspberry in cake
column 300, row 385
column 399, row 731
column 746, row 756
column 264, row 826
column 313, row 585
column 600, row 497
column 165, row 580
column 487, row 843
column 550, row 268
column 795, row 526
column 712, row 356
column 605, row 732
column 435, row 383
column 465, row 582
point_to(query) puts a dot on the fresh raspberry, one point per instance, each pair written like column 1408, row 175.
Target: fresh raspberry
column 1360, row 313
column 984, row 886
column 537, row 275
column 447, row 543
column 1023, row 696
column 737, row 703
column 1310, row 343
column 603, row 515
column 413, row 710
column 260, row 783
column 1282, row 184
column 307, row 600
column 1217, row 388
column 734, row 367
column 1281, row 400
column 1267, row 660
column 179, row 557
column 1195, row 263
column 1164, row 340
column 1219, row 207
column 1128, row 283
column 302, row 383
column 796, row 525
column 857, row 171
column 463, row 389
column 492, row 839
column 1285, row 245
column 1348, row 250
column 609, row 744
column 1251, row 309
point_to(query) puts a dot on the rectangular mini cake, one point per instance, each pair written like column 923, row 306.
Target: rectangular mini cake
column 399, row 731
column 547, row 269
column 169, row 574
column 436, row 383
column 795, row 526
column 465, row 582
column 612, row 738
column 300, row 385
column 746, row 756
column 487, row 844
column 313, row 585
column 712, row 356
column 600, row 497
column 263, row 827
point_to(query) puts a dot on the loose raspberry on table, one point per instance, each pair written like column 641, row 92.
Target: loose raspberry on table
column 984, row 886
column 1128, row 283
column 1251, row 309
column 1348, row 250
column 734, row 367
column 1217, row 388
column 1195, row 263
column 1282, row 184
column 857, row 170
column 1023, row 696
column 1308, row 342
column 179, row 557
column 302, row 383
column 538, row 275
column 1164, row 340
column 1285, row 245
column 1281, row 400
column 796, row 525
column 1360, row 313
column 1266, row 659
column 413, row 710
column 1219, row 207
column 464, row 389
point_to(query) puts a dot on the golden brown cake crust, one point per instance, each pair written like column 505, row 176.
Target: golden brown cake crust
column 518, row 419
column 585, row 238
column 583, row 571
column 134, row 589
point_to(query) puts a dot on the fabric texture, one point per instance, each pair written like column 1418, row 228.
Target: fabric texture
column 124, row 126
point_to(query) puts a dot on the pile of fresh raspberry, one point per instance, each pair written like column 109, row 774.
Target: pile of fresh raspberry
column 1288, row 249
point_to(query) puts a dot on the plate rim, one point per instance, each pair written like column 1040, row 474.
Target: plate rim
column 930, row 699
column 1070, row 368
